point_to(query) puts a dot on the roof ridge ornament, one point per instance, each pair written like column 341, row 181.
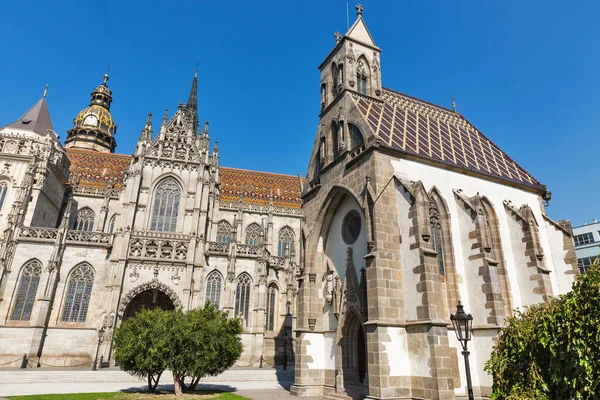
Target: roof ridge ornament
column 338, row 37
column 453, row 103
column 45, row 91
column 359, row 10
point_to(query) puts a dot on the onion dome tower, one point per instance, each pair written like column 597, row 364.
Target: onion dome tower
column 94, row 128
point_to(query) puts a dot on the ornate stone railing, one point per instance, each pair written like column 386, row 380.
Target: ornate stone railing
column 275, row 260
column 159, row 246
column 218, row 248
column 96, row 191
column 247, row 250
column 261, row 208
column 38, row 234
column 101, row 238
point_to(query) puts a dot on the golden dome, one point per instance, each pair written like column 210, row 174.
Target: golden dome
column 96, row 117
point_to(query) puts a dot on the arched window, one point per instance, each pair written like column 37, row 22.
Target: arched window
column 335, row 140
column 285, row 239
column 361, row 77
column 30, row 279
column 213, row 288
column 242, row 297
column 166, row 206
column 224, row 232
column 111, row 224
column 488, row 230
column 253, row 234
column 84, row 221
column 355, row 136
column 271, row 306
column 3, row 192
column 436, row 235
column 79, row 292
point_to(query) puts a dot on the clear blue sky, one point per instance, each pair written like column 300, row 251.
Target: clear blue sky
column 525, row 73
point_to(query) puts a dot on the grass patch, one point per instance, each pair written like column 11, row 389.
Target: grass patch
column 131, row 396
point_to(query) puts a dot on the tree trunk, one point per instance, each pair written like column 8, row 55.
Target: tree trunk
column 177, row 384
column 193, row 384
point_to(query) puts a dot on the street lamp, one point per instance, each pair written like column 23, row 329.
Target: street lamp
column 285, row 335
column 100, row 338
column 463, row 323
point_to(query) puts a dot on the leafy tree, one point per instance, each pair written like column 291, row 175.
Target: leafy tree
column 552, row 350
column 192, row 345
column 141, row 344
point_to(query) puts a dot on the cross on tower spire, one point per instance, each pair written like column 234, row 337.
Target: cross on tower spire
column 359, row 10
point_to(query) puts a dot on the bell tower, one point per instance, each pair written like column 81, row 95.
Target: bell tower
column 353, row 65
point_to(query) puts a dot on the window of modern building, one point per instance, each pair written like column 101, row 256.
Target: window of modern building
column 584, row 238
column 84, row 221
column 166, row 206
column 585, row 263
column 213, row 288
column 242, row 297
column 79, row 292
column 253, row 234
column 27, row 289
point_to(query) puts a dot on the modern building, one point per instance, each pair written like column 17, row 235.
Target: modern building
column 587, row 243
column 406, row 209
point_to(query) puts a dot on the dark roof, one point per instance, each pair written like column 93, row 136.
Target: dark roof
column 436, row 133
column 36, row 119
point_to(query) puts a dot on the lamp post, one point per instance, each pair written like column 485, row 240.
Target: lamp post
column 463, row 323
column 285, row 335
column 100, row 337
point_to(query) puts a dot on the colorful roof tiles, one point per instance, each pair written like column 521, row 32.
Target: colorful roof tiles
column 97, row 169
column 429, row 131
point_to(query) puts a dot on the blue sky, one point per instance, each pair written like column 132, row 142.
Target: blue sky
column 524, row 72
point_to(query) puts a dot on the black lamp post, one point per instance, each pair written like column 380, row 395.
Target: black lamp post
column 463, row 323
column 285, row 335
column 100, row 337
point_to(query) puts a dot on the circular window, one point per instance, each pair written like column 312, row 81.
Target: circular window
column 351, row 227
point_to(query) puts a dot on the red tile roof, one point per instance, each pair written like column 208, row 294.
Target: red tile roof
column 429, row 131
column 99, row 169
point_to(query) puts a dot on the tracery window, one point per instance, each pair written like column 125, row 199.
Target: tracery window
column 3, row 192
column 79, row 292
column 242, row 297
column 111, row 224
column 213, row 288
column 84, row 221
column 286, row 239
column 30, row 279
column 271, row 306
column 253, row 234
column 436, row 234
column 224, row 232
column 361, row 77
column 166, row 206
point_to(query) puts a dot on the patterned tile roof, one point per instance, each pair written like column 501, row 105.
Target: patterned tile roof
column 429, row 131
column 256, row 187
column 98, row 169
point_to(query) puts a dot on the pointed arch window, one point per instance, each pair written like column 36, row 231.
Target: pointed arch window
column 166, row 206
column 436, row 235
column 213, row 288
column 252, row 236
column 271, row 306
column 242, row 297
column 224, row 232
column 27, row 289
column 361, row 77
column 335, row 140
column 111, row 224
column 356, row 136
column 79, row 292
column 285, row 239
column 84, row 221
column 3, row 192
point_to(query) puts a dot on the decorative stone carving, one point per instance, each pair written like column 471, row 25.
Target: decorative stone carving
column 153, row 284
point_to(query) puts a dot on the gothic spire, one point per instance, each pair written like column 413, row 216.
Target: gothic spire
column 146, row 134
column 192, row 103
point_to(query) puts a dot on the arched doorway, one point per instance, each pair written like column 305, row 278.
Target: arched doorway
column 150, row 299
column 354, row 352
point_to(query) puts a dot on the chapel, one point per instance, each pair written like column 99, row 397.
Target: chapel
column 351, row 272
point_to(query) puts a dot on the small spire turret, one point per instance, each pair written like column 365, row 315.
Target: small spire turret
column 206, row 129
column 146, row 135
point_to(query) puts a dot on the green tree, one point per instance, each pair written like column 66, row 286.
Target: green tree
column 142, row 343
column 552, row 350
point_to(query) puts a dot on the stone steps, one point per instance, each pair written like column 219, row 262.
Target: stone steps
column 117, row 376
column 351, row 393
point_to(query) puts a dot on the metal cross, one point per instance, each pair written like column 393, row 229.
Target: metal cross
column 359, row 10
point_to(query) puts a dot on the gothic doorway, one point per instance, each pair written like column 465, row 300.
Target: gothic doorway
column 151, row 298
column 354, row 352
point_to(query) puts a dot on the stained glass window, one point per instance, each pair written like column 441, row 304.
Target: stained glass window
column 3, row 191
column 253, row 234
column 271, row 306
column 436, row 235
column 79, row 292
column 27, row 289
column 213, row 288
column 111, row 224
column 224, row 232
column 166, row 206
column 242, row 297
column 286, row 239
column 84, row 221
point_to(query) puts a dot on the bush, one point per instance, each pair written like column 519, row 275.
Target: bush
column 552, row 350
column 194, row 344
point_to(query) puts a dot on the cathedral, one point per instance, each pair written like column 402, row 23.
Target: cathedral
column 353, row 271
